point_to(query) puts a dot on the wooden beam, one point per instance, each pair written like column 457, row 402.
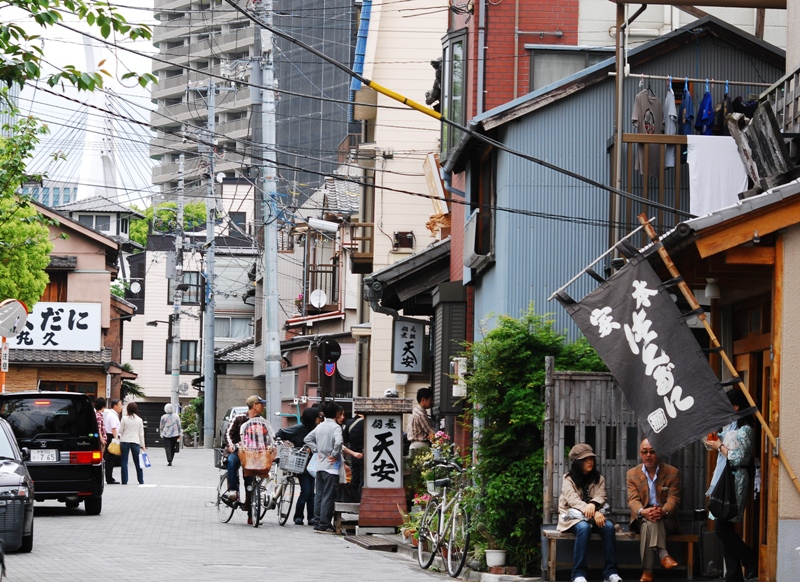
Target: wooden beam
column 768, row 565
column 696, row 12
column 760, row 16
column 779, row 4
column 750, row 256
column 735, row 232
column 657, row 138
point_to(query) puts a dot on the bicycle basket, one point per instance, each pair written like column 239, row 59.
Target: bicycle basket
column 295, row 460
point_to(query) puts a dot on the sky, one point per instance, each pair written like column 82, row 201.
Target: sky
column 68, row 120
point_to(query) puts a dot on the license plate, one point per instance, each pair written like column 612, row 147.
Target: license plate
column 44, row 455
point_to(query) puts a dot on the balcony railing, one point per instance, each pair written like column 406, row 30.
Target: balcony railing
column 326, row 279
column 784, row 96
column 665, row 186
column 362, row 249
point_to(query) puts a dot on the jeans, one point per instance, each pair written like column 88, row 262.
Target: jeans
column 582, row 531
column 134, row 449
column 233, row 473
column 735, row 551
column 325, row 497
column 307, row 497
column 170, row 443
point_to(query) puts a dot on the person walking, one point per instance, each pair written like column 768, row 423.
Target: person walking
column 132, row 441
column 170, row 430
column 112, row 424
column 735, row 448
column 296, row 435
column 583, row 496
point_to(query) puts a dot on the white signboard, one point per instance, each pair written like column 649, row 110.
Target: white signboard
column 407, row 347
column 383, row 451
column 61, row 326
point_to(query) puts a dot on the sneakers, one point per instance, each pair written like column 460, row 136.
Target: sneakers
column 232, row 495
column 298, row 521
column 579, row 579
column 330, row 530
column 613, row 578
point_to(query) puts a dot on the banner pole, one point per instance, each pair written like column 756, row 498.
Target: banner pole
column 689, row 296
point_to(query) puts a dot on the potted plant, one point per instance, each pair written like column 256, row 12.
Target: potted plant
column 494, row 555
column 410, row 525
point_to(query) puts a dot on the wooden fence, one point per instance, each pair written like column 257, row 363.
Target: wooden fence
column 590, row 407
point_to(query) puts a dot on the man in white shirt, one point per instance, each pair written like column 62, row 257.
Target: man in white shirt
column 111, row 419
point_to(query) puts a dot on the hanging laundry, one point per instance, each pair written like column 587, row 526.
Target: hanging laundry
column 670, row 126
column 647, row 117
column 721, row 113
column 739, row 105
column 716, row 173
column 705, row 115
column 685, row 118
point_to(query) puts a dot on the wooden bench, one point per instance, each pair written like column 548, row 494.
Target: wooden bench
column 339, row 522
column 622, row 536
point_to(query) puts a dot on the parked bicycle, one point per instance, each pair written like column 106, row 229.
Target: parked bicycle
column 445, row 526
column 278, row 492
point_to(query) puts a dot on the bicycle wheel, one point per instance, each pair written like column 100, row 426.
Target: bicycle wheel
column 255, row 502
column 224, row 510
column 456, row 540
column 428, row 535
column 287, row 498
column 263, row 486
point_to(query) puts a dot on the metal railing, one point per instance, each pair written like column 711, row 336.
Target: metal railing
column 325, row 278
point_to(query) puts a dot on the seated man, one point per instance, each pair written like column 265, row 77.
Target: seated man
column 255, row 407
column 653, row 498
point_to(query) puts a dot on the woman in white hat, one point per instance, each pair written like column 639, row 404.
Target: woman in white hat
column 583, row 496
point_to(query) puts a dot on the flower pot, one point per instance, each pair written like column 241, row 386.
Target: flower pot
column 495, row 558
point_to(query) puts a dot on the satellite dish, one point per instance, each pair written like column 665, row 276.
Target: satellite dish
column 135, row 287
column 183, row 388
column 318, row 298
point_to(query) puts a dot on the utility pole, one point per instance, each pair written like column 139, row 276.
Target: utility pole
column 266, row 125
column 175, row 324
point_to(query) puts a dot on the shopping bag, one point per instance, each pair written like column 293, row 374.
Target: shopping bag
column 114, row 447
column 313, row 466
column 722, row 502
column 144, row 460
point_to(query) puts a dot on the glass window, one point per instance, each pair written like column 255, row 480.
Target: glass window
column 137, row 350
column 46, row 196
column 123, row 226
column 102, row 222
column 51, row 417
column 86, row 220
column 56, row 196
column 65, row 195
column 232, row 327
column 192, row 295
column 454, row 76
column 189, row 361
column 551, row 65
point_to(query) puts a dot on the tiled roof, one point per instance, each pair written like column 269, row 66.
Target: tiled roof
column 240, row 352
column 341, row 195
column 97, row 204
column 101, row 358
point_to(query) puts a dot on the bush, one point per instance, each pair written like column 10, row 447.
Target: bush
column 505, row 389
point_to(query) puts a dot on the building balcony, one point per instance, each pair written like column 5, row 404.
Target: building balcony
column 322, row 290
column 782, row 96
column 362, row 250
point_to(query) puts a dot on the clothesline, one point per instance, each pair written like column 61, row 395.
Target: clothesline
column 709, row 81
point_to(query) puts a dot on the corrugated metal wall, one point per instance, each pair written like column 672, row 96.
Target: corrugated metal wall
column 535, row 255
column 590, row 407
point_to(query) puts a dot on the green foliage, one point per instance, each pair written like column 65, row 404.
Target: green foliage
column 118, row 288
column 505, row 389
column 163, row 218
column 24, row 235
column 192, row 416
column 129, row 387
column 23, row 57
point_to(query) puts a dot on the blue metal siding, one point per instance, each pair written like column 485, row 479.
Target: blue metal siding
column 535, row 255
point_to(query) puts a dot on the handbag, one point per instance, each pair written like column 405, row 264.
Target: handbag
column 722, row 502
column 114, row 447
column 144, row 460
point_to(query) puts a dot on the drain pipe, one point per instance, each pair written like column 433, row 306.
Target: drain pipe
column 373, row 290
column 481, row 55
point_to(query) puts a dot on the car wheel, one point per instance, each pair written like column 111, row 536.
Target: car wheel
column 27, row 543
column 93, row 505
column 73, row 503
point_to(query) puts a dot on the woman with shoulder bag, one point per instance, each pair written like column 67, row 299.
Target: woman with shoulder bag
column 735, row 449
column 132, row 441
column 170, row 430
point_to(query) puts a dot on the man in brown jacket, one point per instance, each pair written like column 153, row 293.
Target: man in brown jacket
column 653, row 498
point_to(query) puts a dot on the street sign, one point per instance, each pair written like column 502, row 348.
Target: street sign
column 13, row 315
column 329, row 351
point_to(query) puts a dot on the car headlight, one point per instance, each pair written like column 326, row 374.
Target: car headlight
column 15, row 491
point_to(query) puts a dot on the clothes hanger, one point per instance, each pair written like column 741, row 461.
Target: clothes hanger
column 726, row 86
column 686, row 85
column 669, row 87
column 707, row 89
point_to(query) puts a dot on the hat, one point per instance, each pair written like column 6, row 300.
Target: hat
column 252, row 400
column 580, row 451
column 390, row 393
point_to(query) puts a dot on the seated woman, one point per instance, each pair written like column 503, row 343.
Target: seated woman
column 583, row 496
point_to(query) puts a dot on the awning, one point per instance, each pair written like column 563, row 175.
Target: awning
column 408, row 284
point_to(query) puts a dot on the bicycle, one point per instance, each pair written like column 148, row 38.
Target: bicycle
column 444, row 526
column 283, row 479
column 256, row 491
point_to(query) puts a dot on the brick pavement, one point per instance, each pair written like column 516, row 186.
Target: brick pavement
column 169, row 530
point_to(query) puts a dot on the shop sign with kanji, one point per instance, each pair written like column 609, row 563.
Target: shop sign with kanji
column 407, row 347
column 383, row 451
column 61, row 326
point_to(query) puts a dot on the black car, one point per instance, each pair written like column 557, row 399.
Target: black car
column 16, row 494
column 60, row 431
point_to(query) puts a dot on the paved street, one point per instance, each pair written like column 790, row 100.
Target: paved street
column 168, row 530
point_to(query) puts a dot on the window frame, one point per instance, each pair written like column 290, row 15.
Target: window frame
column 137, row 349
column 193, row 295
column 542, row 49
column 188, row 346
column 449, row 134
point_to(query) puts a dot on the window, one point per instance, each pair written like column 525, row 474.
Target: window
column 551, row 64
column 192, row 295
column 189, row 362
column 66, row 196
column 232, row 327
column 289, row 385
column 102, row 222
column 454, row 78
column 56, row 196
column 46, row 196
column 86, row 220
column 137, row 350
column 240, row 220
column 123, row 226
column 88, row 388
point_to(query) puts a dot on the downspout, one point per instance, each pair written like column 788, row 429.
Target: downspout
column 481, row 55
column 516, row 47
column 373, row 290
column 359, row 53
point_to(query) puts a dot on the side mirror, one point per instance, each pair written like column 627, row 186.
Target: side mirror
column 26, row 454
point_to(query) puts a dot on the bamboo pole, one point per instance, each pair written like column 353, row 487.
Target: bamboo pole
column 689, row 296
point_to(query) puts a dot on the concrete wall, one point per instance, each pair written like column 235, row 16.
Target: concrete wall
column 793, row 42
column 233, row 391
column 788, row 497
